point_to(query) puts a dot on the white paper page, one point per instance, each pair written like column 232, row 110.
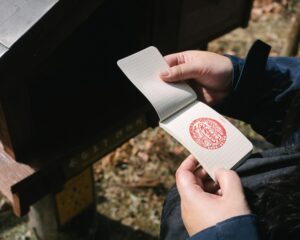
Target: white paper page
column 212, row 139
column 143, row 68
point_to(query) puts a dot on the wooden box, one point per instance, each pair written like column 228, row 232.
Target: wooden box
column 61, row 93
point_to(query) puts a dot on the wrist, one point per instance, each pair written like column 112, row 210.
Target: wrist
column 238, row 227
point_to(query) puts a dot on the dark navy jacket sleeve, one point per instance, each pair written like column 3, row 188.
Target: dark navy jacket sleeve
column 236, row 228
column 262, row 90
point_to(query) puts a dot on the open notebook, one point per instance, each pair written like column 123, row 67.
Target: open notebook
column 212, row 139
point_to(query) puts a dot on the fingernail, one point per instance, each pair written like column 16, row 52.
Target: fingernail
column 165, row 73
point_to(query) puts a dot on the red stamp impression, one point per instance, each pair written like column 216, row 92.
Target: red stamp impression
column 208, row 133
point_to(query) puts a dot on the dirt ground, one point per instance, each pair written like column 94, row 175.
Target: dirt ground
column 132, row 181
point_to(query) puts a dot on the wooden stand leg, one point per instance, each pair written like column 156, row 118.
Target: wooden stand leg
column 70, row 214
column 293, row 37
column 43, row 220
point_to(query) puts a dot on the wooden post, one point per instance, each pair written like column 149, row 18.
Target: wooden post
column 70, row 214
column 43, row 220
column 293, row 38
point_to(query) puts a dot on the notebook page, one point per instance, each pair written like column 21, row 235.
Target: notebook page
column 212, row 139
column 143, row 68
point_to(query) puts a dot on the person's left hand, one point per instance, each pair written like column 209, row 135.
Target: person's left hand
column 210, row 74
column 203, row 203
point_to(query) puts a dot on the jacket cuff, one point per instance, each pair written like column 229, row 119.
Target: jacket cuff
column 237, row 64
column 236, row 228
column 247, row 78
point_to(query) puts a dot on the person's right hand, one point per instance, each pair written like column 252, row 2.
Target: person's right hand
column 203, row 204
column 211, row 72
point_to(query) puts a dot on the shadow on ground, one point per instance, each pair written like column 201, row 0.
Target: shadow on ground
column 113, row 230
column 87, row 226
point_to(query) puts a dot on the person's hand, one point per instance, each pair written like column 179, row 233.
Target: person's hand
column 210, row 73
column 203, row 203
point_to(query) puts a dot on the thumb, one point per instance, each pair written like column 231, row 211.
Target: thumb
column 228, row 181
column 179, row 72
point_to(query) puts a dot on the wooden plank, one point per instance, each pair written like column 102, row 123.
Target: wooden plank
column 11, row 172
column 18, row 65
column 19, row 16
column 3, row 49
column 113, row 138
column 246, row 13
column 25, row 184
column 16, row 118
column 4, row 134
column 202, row 21
column 167, row 21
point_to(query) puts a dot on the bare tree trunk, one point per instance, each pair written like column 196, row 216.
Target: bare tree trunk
column 293, row 38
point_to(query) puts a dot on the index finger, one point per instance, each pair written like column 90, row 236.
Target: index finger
column 228, row 181
column 174, row 59
column 189, row 164
column 186, row 180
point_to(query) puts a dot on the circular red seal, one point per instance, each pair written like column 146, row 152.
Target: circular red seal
column 208, row 133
